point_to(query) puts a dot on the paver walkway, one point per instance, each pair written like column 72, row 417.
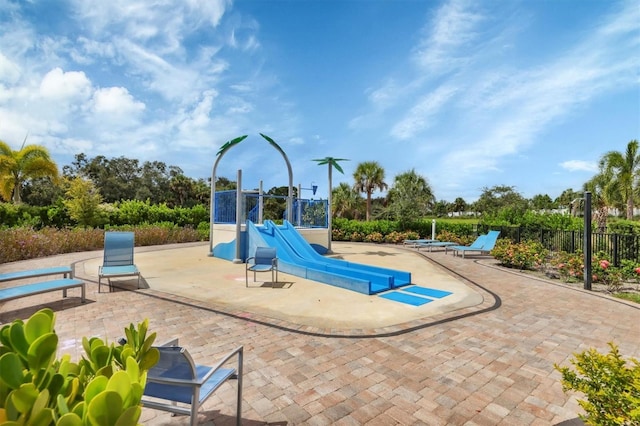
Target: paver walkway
column 492, row 365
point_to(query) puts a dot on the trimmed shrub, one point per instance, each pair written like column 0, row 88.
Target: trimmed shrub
column 525, row 255
column 374, row 237
column 29, row 243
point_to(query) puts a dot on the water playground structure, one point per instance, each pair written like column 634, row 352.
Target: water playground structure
column 237, row 228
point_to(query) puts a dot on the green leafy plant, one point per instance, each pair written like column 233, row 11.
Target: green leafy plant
column 83, row 202
column 630, row 270
column 525, row 255
column 610, row 384
column 104, row 388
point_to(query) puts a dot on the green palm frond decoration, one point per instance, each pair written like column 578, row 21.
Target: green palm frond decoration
column 224, row 148
column 333, row 162
column 273, row 143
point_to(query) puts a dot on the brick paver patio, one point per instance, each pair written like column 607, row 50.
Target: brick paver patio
column 491, row 365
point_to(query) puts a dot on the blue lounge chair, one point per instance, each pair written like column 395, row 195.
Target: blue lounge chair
column 264, row 260
column 415, row 243
column 448, row 244
column 118, row 257
column 484, row 247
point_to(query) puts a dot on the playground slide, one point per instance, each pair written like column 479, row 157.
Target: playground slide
column 291, row 262
column 304, row 249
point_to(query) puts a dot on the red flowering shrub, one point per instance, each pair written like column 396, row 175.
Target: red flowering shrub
column 570, row 266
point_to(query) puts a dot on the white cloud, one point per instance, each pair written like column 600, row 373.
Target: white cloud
column 9, row 70
column 238, row 105
column 296, row 141
column 240, row 39
column 73, row 145
column 453, row 26
column 384, row 96
column 199, row 118
column 164, row 23
column 579, row 166
column 421, row 114
column 116, row 101
column 63, row 86
column 87, row 51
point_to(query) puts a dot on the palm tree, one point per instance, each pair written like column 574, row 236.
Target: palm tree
column 459, row 205
column 331, row 162
column 16, row 167
column 369, row 176
column 346, row 201
column 624, row 170
column 598, row 188
column 410, row 197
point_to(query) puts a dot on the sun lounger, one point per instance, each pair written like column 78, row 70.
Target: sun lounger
column 484, row 247
column 65, row 271
column 415, row 243
column 63, row 284
column 448, row 244
column 430, row 246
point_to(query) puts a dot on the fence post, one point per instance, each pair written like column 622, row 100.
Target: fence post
column 587, row 240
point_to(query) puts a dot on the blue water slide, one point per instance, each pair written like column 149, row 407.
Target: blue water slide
column 380, row 279
column 290, row 261
column 305, row 250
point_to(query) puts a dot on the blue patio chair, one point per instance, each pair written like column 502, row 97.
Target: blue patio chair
column 178, row 385
column 264, row 260
column 118, row 257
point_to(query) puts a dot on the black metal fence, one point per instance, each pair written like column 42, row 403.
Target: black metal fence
column 618, row 247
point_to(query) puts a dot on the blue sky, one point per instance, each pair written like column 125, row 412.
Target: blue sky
column 470, row 94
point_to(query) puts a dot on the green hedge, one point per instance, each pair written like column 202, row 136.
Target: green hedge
column 120, row 213
column 345, row 229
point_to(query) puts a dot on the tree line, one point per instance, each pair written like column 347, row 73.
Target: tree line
column 29, row 175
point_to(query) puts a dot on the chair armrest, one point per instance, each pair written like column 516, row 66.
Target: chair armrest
column 249, row 260
column 237, row 351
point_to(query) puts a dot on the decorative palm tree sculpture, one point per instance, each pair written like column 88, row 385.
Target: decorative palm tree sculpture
column 332, row 162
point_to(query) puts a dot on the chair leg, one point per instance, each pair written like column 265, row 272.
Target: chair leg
column 239, row 402
column 194, row 413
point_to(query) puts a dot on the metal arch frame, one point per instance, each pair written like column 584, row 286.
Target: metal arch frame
column 223, row 150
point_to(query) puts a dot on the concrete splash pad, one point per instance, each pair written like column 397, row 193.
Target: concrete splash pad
column 191, row 273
